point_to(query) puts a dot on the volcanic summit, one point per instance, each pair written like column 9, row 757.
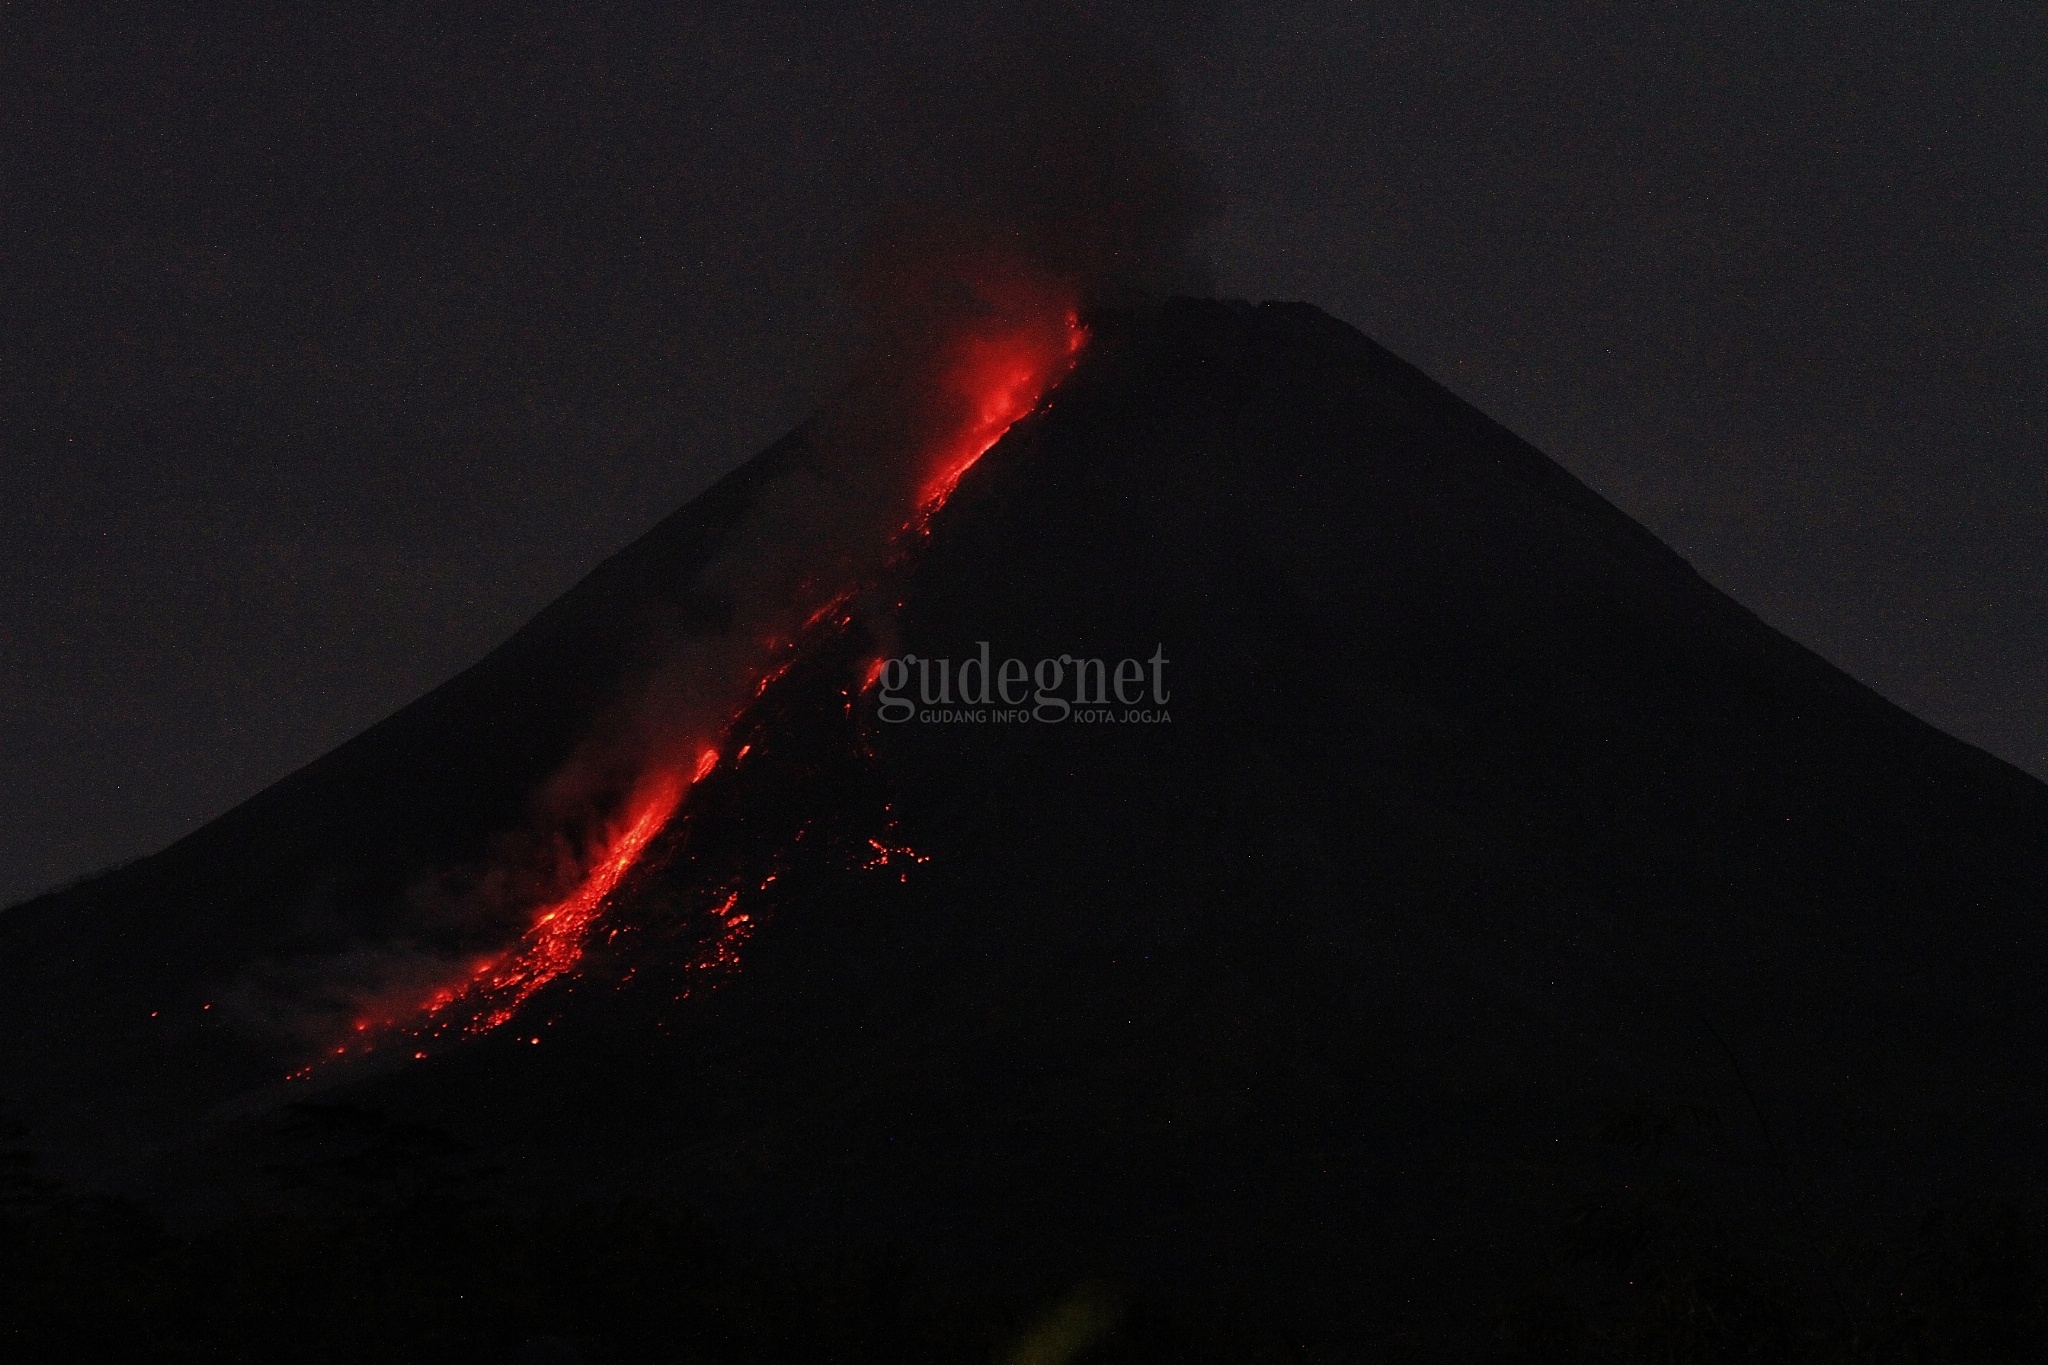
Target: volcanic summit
column 1468, row 828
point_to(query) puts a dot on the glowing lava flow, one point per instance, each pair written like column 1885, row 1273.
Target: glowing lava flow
column 554, row 944
column 994, row 377
column 1001, row 378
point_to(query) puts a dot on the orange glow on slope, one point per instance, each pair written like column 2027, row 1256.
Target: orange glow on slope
column 554, row 944
column 999, row 378
column 990, row 378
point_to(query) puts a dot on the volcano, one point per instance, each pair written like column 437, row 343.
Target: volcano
column 1461, row 836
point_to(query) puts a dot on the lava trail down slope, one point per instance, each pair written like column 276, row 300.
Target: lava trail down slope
column 1481, row 823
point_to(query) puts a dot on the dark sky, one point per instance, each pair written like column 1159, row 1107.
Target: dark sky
column 331, row 349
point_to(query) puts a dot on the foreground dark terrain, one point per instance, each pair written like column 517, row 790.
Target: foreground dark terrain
column 1510, row 945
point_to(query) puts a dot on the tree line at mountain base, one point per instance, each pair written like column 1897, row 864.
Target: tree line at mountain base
column 389, row 1252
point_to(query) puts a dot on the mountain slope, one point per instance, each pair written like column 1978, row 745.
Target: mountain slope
column 1483, row 831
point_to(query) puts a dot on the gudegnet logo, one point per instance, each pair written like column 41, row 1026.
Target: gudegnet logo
column 1054, row 690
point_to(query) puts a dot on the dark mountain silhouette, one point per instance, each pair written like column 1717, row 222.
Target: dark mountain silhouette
column 1487, row 849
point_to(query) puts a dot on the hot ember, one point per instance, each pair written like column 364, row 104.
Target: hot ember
column 987, row 376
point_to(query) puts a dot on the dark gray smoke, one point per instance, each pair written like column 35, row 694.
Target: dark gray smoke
column 1051, row 132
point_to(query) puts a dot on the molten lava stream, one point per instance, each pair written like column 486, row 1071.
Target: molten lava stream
column 493, row 992
column 994, row 379
column 1000, row 379
column 554, row 944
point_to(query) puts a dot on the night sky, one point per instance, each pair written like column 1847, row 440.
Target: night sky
column 333, row 349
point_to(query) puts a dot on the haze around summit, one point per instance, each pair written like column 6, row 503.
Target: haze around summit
column 336, row 350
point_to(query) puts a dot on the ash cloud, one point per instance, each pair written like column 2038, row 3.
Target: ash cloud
column 1044, row 132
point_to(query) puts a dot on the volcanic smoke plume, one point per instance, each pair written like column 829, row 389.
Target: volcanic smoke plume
column 1052, row 185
